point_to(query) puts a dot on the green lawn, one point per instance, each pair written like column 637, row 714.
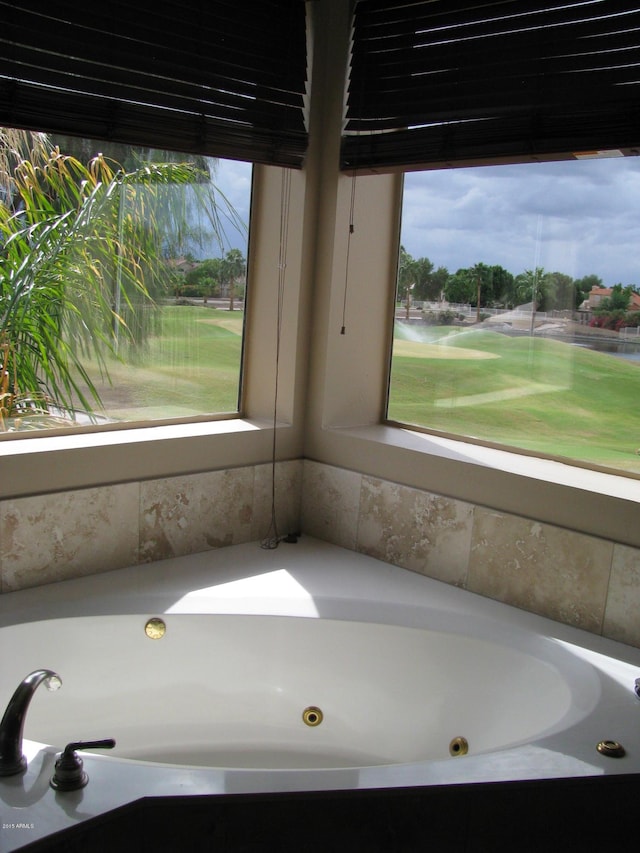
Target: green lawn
column 191, row 368
column 533, row 393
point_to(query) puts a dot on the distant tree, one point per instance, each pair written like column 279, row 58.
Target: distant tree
column 613, row 310
column 438, row 280
column 233, row 267
column 418, row 277
column 460, row 287
column 619, row 300
column 482, row 280
column 406, row 274
column 561, row 292
column 472, row 285
column 501, row 286
column 532, row 286
column 584, row 286
column 206, row 277
column 425, row 287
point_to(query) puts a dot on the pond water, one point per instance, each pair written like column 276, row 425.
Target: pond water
column 627, row 350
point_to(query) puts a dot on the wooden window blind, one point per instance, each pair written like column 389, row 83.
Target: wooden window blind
column 448, row 82
column 224, row 78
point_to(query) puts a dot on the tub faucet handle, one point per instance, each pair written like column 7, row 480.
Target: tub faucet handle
column 12, row 761
column 69, row 775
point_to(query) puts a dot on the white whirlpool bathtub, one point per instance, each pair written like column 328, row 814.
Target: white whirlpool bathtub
column 278, row 692
column 300, row 669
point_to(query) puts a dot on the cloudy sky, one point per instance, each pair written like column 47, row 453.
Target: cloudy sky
column 577, row 217
column 234, row 180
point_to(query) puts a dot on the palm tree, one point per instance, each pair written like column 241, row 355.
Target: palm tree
column 531, row 286
column 81, row 267
column 16, row 146
column 406, row 274
column 233, row 267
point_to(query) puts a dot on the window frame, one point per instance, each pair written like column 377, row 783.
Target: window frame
column 42, row 462
column 100, row 425
column 481, row 442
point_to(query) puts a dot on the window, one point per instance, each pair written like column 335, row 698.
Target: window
column 518, row 308
column 123, row 274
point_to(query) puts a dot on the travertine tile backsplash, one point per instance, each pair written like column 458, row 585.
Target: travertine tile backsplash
column 54, row 537
column 622, row 612
column 540, row 568
column 571, row 577
column 66, row 535
column 414, row 529
column 186, row 515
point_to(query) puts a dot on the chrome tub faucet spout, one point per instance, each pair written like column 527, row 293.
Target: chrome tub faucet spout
column 12, row 760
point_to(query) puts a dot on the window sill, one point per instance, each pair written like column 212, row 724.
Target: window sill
column 591, row 502
column 42, row 464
